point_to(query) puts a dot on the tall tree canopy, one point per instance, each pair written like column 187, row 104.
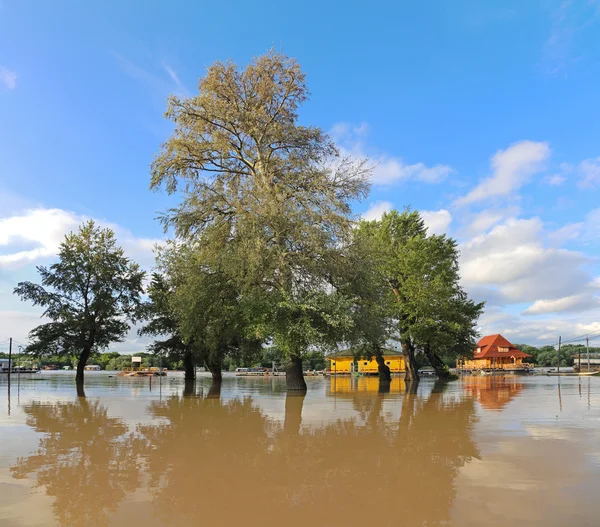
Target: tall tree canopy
column 424, row 295
column 266, row 199
column 89, row 295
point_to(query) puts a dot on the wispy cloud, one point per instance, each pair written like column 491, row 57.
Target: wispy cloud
column 511, row 169
column 8, row 78
column 388, row 169
column 570, row 20
column 163, row 79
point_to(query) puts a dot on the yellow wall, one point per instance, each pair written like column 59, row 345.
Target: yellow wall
column 343, row 364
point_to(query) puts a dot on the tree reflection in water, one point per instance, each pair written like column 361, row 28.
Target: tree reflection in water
column 204, row 459
column 228, row 463
column 83, row 461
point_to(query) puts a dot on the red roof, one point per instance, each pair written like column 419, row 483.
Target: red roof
column 490, row 348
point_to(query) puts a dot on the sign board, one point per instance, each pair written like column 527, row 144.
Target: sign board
column 136, row 359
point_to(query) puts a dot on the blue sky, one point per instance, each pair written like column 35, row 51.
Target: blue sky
column 484, row 115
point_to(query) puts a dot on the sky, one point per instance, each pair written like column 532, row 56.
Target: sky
column 484, row 116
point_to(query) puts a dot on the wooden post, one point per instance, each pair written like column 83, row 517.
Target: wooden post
column 579, row 359
column 558, row 364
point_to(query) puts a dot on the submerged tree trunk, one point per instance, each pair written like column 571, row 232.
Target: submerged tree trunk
column 214, row 392
column 441, row 370
column 83, row 358
column 189, row 366
column 189, row 388
column 385, row 374
column 384, row 386
column 408, row 352
column 294, row 375
column 293, row 412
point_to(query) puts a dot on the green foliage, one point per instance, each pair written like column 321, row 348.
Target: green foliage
column 162, row 321
column 89, row 295
column 266, row 203
column 419, row 277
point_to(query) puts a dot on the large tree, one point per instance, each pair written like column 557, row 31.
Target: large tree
column 89, row 295
column 268, row 199
column 421, row 275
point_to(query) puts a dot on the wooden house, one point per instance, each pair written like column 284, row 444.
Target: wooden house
column 494, row 352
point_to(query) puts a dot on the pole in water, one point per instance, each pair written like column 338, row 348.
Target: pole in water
column 558, row 352
column 587, row 346
column 9, row 357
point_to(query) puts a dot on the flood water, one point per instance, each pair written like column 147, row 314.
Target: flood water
column 481, row 451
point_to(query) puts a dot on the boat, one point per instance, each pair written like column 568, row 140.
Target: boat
column 151, row 372
column 572, row 373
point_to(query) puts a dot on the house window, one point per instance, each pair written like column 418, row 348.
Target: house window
column 478, row 350
column 366, row 363
column 503, row 350
column 333, row 363
column 388, row 363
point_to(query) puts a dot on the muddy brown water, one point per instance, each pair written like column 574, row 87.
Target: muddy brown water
column 479, row 451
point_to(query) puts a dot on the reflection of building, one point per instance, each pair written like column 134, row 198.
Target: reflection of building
column 341, row 364
column 351, row 385
column 495, row 352
column 491, row 391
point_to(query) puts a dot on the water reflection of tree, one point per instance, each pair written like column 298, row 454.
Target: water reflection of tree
column 227, row 462
column 202, row 460
column 84, row 460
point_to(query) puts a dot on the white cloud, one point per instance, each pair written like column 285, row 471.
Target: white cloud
column 555, row 180
column 376, row 210
column 8, row 78
column 574, row 303
column 35, row 234
column 511, row 169
column 387, row 169
column 392, row 169
column 436, row 221
column 512, row 259
column 538, row 331
column 589, row 171
column 571, row 231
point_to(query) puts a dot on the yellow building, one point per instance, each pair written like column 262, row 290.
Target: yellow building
column 345, row 364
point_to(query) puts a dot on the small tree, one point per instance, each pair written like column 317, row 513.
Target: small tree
column 421, row 275
column 89, row 295
column 162, row 322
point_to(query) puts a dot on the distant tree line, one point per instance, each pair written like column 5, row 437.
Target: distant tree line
column 548, row 355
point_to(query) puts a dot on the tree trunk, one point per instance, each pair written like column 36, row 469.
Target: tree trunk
column 385, row 374
column 83, row 358
column 293, row 412
column 216, row 372
column 294, row 375
column 189, row 366
column 214, row 391
column 189, row 387
column 384, row 386
column 408, row 352
column 441, row 370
